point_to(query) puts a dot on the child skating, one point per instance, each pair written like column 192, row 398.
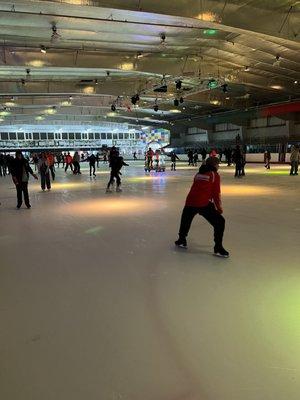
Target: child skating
column 204, row 199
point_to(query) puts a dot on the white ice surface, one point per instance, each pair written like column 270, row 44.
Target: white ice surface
column 97, row 304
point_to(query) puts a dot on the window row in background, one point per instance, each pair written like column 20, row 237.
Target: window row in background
column 68, row 136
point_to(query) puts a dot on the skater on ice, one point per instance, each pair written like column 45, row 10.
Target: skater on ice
column 116, row 162
column 204, row 199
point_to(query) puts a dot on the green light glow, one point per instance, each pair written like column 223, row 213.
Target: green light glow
column 210, row 32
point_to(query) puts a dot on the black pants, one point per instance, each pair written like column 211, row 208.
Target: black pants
column 210, row 214
column 238, row 169
column 114, row 174
column 22, row 188
column 45, row 180
column 76, row 167
column 173, row 166
column 92, row 168
column 67, row 166
column 52, row 170
column 294, row 167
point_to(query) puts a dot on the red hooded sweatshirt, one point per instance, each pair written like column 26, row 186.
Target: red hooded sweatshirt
column 205, row 189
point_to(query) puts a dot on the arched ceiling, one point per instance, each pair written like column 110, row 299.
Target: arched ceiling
column 104, row 52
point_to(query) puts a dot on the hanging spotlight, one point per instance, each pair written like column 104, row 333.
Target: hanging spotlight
column 23, row 82
column 43, row 49
column 162, row 38
column 155, row 108
column 28, row 71
column 176, row 102
column 225, row 88
column 113, row 108
column 247, row 68
column 96, row 81
column 70, row 97
column 181, row 100
column 178, row 84
column 133, row 100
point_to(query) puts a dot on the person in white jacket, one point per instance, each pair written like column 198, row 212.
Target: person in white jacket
column 294, row 159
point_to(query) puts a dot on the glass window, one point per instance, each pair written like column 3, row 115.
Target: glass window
column 97, row 135
column 36, row 136
column 137, row 135
column 43, row 135
column 4, row 135
column 103, row 135
column 64, row 136
column 115, row 136
column 71, row 136
column 28, row 136
column 77, row 135
column 84, row 136
column 50, row 135
column 57, row 136
column 121, row 135
column 91, row 136
column 109, row 136
column 126, row 135
column 12, row 136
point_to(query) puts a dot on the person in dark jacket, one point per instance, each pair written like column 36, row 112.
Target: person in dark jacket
column 174, row 158
column 238, row 159
column 92, row 161
column 20, row 170
column 116, row 162
column 204, row 199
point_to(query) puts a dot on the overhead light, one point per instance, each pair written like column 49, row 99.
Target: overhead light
column 277, row 87
column 96, row 81
column 140, row 55
column 176, row 102
column 39, row 118
column 66, row 103
column 247, row 69
column 277, row 60
column 111, row 114
column 70, row 98
column 181, row 100
column 43, row 49
column 215, row 102
column 113, row 108
column 27, row 71
column 178, row 84
column 227, row 98
column 23, row 82
column 10, row 104
column 155, row 108
column 175, row 111
column 295, row 82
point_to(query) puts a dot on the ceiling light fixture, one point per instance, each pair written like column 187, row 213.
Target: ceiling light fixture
column 162, row 38
column 113, row 108
column 181, row 100
column 43, row 49
column 247, row 68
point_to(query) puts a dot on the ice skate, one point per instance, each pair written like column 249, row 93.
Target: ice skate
column 108, row 190
column 118, row 189
column 221, row 252
column 181, row 243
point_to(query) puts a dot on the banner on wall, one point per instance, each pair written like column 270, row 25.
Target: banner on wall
column 161, row 136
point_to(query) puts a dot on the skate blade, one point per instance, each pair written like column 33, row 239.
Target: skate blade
column 220, row 255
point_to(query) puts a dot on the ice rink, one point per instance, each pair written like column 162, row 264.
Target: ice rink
column 97, row 304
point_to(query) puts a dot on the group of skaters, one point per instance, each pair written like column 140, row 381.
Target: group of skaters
column 234, row 156
column 156, row 160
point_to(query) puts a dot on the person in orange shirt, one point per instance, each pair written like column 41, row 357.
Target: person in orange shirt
column 51, row 161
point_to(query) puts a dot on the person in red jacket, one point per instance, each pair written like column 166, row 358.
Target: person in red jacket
column 204, row 199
